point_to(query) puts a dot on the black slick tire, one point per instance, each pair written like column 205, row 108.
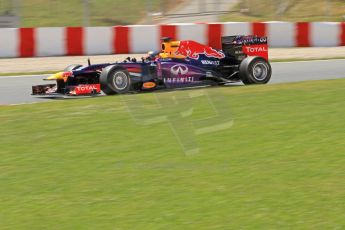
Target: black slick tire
column 255, row 70
column 115, row 80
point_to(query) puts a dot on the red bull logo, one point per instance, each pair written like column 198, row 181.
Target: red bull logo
column 193, row 49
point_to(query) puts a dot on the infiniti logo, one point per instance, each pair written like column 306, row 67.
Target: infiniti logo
column 179, row 69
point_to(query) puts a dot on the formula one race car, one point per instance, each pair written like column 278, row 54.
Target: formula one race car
column 179, row 64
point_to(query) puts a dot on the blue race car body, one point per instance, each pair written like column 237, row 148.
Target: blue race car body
column 178, row 64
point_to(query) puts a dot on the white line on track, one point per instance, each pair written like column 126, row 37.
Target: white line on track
column 23, row 76
column 25, row 103
column 326, row 60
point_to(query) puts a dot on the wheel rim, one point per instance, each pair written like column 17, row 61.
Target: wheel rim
column 120, row 80
column 260, row 71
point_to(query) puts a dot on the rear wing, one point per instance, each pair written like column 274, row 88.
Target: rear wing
column 241, row 46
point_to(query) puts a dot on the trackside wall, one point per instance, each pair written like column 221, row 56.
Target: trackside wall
column 59, row 41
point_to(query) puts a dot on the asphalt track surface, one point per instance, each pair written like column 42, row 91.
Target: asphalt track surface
column 17, row 89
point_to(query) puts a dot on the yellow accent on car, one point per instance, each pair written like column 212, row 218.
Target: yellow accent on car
column 56, row 76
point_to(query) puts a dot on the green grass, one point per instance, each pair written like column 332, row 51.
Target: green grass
column 86, row 164
column 39, row 13
column 295, row 10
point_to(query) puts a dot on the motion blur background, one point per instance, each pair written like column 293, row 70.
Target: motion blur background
column 104, row 162
column 39, row 13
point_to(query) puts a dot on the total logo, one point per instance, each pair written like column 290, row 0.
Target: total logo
column 179, row 69
column 256, row 49
column 86, row 87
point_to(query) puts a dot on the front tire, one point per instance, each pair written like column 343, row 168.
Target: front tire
column 115, row 80
column 255, row 70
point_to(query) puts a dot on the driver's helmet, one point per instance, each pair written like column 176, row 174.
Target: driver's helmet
column 152, row 55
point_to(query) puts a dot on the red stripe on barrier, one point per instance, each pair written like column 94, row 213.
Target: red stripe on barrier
column 302, row 34
column 74, row 38
column 259, row 29
column 214, row 34
column 121, row 41
column 342, row 34
column 168, row 31
column 27, row 42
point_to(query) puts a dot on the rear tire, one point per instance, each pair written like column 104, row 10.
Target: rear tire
column 255, row 70
column 115, row 80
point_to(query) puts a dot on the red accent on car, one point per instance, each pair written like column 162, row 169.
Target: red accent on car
column 134, row 70
column 256, row 50
column 193, row 49
column 86, row 89
column 67, row 74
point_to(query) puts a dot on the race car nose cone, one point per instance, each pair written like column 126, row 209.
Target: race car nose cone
column 55, row 76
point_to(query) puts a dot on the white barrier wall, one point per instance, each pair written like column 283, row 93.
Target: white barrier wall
column 98, row 40
column 281, row 34
column 234, row 28
column 50, row 41
column 325, row 34
column 8, row 42
column 58, row 41
column 144, row 38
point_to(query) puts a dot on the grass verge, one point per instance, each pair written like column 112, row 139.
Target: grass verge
column 293, row 10
column 87, row 164
column 43, row 13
